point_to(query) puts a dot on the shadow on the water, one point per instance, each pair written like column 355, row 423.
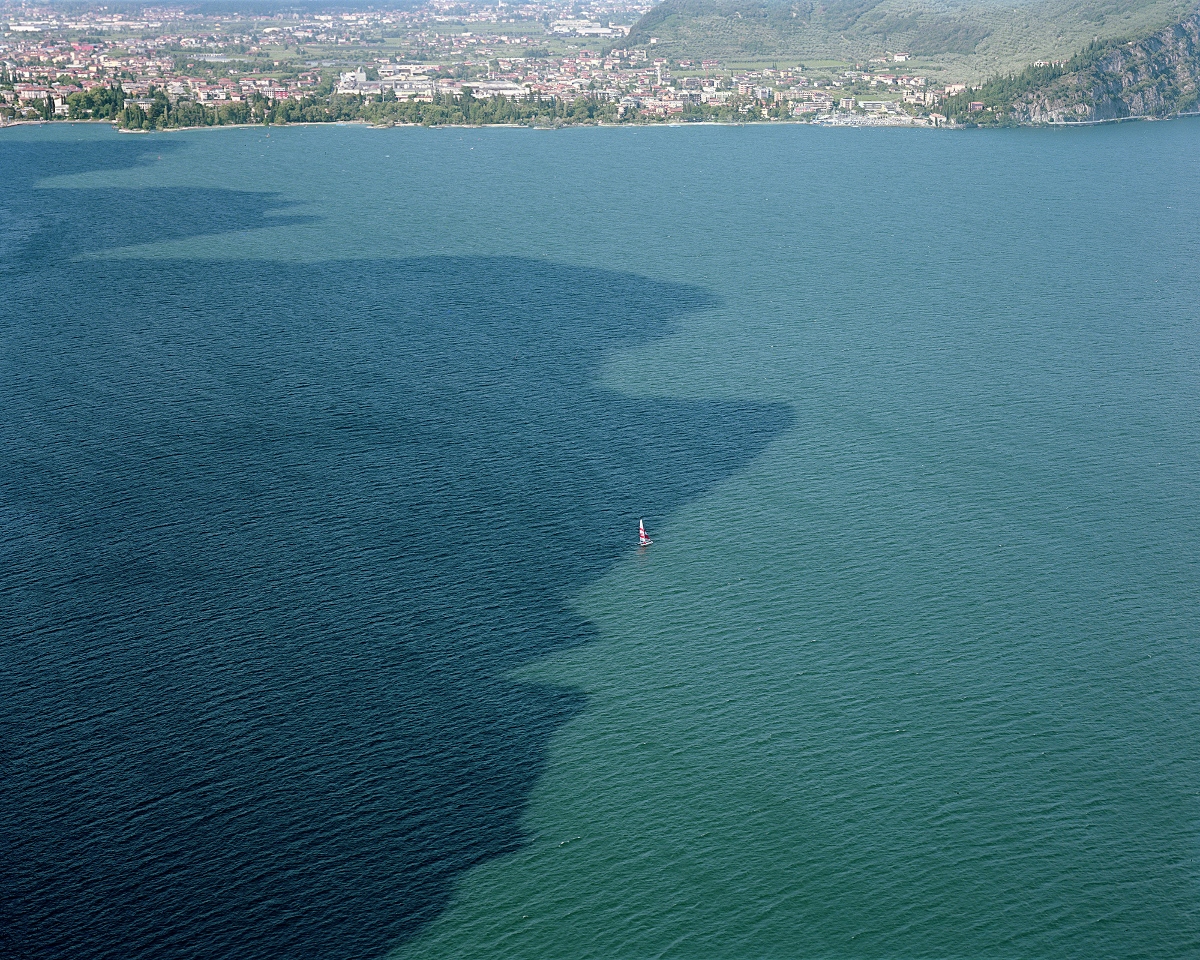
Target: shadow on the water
column 55, row 224
column 275, row 537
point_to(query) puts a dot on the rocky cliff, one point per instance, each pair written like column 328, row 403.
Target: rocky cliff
column 1156, row 76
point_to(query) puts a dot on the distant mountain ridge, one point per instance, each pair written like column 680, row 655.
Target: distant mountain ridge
column 977, row 39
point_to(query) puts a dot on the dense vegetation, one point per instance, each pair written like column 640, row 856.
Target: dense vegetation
column 999, row 94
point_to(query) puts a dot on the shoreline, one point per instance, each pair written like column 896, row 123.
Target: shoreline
column 674, row 124
column 855, row 123
column 1096, row 123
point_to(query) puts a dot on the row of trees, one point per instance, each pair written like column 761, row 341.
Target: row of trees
column 160, row 114
column 468, row 109
column 445, row 109
column 157, row 112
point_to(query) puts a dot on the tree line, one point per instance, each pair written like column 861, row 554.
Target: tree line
column 157, row 112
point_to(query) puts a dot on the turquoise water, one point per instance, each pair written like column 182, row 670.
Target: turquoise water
column 357, row 426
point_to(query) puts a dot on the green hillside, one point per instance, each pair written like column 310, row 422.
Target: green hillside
column 952, row 40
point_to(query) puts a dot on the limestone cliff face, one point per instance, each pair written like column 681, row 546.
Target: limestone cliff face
column 1156, row 76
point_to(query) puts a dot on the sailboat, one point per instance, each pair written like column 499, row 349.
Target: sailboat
column 643, row 540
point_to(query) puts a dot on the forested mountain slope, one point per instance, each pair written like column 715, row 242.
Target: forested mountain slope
column 1155, row 76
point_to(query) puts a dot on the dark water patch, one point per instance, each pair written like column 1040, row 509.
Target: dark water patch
column 154, row 216
column 276, row 536
column 27, row 157
column 51, row 216
column 41, row 227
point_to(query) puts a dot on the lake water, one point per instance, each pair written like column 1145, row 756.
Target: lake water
column 324, row 634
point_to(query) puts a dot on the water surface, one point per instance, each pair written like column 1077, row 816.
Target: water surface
column 323, row 454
